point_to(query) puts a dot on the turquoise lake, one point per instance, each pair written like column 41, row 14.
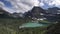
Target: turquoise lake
column 33, row 25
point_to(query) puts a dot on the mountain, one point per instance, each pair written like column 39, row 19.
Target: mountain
column 54, row 29
column 51, row 14
column 54, row 10
column 18, row 15
column 3, row 13
column 35, row 12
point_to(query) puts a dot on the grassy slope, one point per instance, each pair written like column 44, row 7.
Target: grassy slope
column 10, row 26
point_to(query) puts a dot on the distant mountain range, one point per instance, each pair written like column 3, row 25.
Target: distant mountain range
column 53, row 10
column 36, row 12
column 5, row 14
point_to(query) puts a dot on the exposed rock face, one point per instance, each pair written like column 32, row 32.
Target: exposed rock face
column 35, row 12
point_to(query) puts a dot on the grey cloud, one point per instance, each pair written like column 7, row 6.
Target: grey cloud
column 25, row 5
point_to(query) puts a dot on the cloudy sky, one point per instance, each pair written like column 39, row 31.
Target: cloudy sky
column 25, row 5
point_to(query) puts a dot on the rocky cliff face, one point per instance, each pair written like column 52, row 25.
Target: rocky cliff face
column 35, row 12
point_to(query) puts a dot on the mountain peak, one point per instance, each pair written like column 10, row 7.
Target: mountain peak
column 37, row 9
